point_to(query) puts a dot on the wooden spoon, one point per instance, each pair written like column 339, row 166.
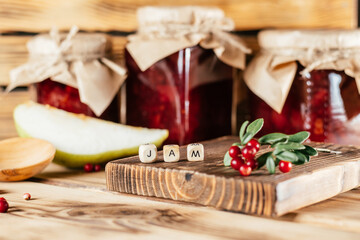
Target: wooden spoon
column 22, row 158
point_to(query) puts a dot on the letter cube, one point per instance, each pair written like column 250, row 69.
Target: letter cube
column 195, row 152
column 171, row 153
column 147, row 153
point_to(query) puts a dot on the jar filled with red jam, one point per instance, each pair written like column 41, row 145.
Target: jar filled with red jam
column 72, row 72
column 187, row 91
column 313, row 85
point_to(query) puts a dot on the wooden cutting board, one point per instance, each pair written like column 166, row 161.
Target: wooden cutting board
column 210, row 183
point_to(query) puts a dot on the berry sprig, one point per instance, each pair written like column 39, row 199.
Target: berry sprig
column 286, row 150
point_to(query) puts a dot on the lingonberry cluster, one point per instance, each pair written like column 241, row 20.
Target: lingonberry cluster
column 243, row 159
column 286, row 150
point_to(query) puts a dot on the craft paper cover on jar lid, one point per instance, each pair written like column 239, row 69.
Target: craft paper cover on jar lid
column 80, row 60
column 271, row 73
column 166, row 30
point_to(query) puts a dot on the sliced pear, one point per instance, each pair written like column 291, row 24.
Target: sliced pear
column 79, row 139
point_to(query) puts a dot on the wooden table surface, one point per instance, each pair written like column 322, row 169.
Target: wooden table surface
column 76, row 205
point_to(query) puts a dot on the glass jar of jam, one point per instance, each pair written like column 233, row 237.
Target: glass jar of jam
column 323, row 97
column 73, row 72
column 170, row 95
column 188, row 91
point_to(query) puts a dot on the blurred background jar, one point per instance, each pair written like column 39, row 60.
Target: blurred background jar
column 308, row 80
column 180, row 72
column 73, row 72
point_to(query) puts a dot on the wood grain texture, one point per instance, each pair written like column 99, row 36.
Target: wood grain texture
column 72, row 213
column 209, row 183
column 340, row 212
column 120, row 15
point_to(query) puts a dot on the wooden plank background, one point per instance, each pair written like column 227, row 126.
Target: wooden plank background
column 120, row 15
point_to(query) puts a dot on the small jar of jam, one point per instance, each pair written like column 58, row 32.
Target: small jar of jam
column 304, row 80
column 73, row 72
column 176, row 78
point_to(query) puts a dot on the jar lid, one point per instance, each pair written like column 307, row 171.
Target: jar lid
column 81, row 45
column 314, row 39
column 75, row 59
column 185, row 15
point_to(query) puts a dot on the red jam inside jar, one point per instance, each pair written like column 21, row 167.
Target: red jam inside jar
column 326, row 103
column 189, row 93
column 67, row 98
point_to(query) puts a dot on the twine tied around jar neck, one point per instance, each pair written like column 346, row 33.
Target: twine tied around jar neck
column 60, row 49
column 313, row 58
column 79, row 60
column 174, row 22
column 166, row 30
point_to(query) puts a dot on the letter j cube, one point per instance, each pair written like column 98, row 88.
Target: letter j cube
column 195, row 152
column 147, row 153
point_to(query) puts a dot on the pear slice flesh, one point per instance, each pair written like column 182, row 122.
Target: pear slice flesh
column 79, row 139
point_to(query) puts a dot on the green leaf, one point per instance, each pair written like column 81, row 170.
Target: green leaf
column 255, row 126
column 242, row 130
column 270, row 164
column 277, row 161
column 309, row 151
column 262, row 159
column 299, row 137
column 247, row 137
column 273, row 138
column 289, row 146
column 301, row 158
column 287, row 156
column 227, row 159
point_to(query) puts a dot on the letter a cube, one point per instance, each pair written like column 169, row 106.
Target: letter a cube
column 147, row 153
column 171, row 153
column 195, row 152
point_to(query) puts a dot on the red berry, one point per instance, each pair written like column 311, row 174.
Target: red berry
column 245, row 170
column 4, row 206
column 235, row 163
column 234, row 151
column 254, row 143
column 252, row 163
column 248, row 152
column 27, row 196
column 88, row 167
column 285, row 166
column 97, row 168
